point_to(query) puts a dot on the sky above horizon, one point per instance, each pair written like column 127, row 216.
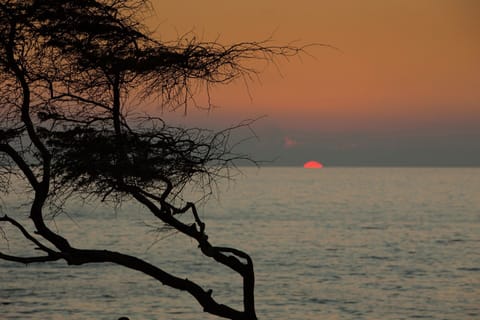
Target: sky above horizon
column 403, row 87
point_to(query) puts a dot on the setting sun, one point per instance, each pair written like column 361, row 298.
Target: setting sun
column 313, row 165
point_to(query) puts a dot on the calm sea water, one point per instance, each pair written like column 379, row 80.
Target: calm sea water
column 335, row 243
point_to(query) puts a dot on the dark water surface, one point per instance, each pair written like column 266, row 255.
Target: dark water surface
column 335, row 243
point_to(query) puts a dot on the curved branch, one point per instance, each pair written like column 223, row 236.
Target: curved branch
column 81, row 99
column 20, row 163
column 21, row 77
column 217, row 253
column 204, row 298
column 14, row 64
column 28, row 260
column 191, row 231
column 79, row 257
column 236, row 252
column 51, row 255
column 27, row 235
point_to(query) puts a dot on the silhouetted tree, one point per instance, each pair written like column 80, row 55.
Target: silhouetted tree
column 67, row 69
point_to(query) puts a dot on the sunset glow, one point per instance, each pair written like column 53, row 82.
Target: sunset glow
column 396, row 72
column 313, row 165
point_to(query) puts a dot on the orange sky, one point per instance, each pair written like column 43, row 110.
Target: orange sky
column 404, row 65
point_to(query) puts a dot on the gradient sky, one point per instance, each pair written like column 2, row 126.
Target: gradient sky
column 403, row 88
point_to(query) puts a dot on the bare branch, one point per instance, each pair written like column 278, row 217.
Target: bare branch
column 68, row 73
column 28, row 260
column 27, row 235
column 20, row 163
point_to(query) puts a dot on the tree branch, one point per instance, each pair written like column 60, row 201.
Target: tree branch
column 6, row 148
column 205, row 299
column 27, row 235
column 28, row 260
column 79, row 257
column 52, row 255
column 217, row 253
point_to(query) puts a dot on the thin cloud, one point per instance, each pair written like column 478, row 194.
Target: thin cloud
column 289, row 142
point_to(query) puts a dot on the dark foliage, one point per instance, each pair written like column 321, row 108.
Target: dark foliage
column 67, row 71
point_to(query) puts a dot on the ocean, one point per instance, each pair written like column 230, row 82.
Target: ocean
column 331, row 243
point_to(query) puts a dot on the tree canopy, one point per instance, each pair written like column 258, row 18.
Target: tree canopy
column 67, row 72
